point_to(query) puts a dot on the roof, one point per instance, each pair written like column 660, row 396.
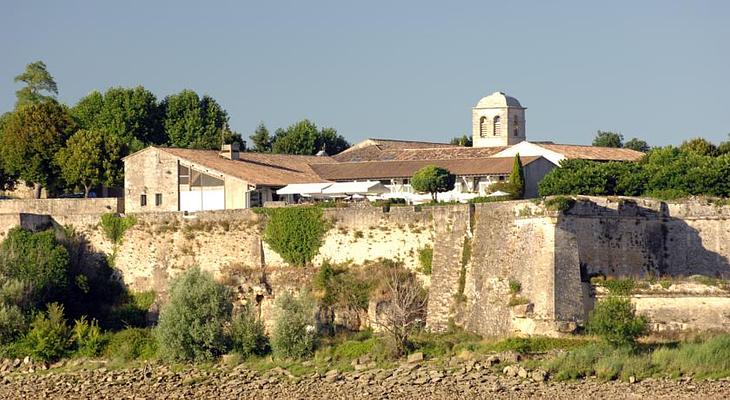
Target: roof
column 406, row 169
column 256, row 168
column 377, row 149
column 593, row 152
column 498, row 99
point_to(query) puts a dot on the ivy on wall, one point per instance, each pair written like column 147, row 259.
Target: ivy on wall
column 295, row 233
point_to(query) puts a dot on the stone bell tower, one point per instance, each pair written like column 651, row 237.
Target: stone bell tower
column 498, row 120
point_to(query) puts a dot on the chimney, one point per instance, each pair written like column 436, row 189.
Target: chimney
column 230, row 151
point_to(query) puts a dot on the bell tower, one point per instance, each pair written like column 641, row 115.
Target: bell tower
column 498, row 120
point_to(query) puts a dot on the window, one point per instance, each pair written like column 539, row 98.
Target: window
column 516, row 126
column 200, row 179
column 183, row 174
column 158, row 199
column 497, row 125
column 501, row 177
column 483, row 126
column 143, row 200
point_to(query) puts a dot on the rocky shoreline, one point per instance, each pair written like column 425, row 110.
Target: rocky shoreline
column 24, row 379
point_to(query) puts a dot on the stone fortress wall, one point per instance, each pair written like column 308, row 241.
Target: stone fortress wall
column 478, row 250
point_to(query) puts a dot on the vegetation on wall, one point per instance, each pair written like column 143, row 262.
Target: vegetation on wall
column 425, row 259
column 115, row 225
column 614, row 319
column 295, row 233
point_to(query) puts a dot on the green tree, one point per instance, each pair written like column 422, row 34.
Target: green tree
column 305, row 138
column 132, row 115
column 463, row 140
column 517, row 177
column 594, row 178
column 37, row 80
column 614, row 319
column 261, row 139
column 295, row 329
column 699, row 146
column 31, row 137
column 195, row 122
column 608, row 139
column 637, row 144
column 191, row 326
column 432, row 179
column 91, row 158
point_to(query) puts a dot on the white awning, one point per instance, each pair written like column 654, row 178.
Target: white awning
column 303, row 188
column 498, row 193
column 349, row 188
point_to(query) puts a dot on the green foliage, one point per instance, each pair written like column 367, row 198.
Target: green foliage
column 432, row 179
column 578, row 363
column 32, row 136
column 37, row 80
column 517, row 178
column 339, row 286
column 91, row 158
column 305, row 138
column 608, row 139
column 425, row 259
column 637, row 144
column 49, row 337
column 195, row 122
column 248, row 337
column 115, row 225
column 619, row 287
column 514, row 286
column 559, row 203
column 295, row 329
column 88, row 337
column 12, row 323
column 131, row 344
column 614, row 319
column 191, row 324
column 464, row 140
column 131, row 310
column 295, row 233
column 261, row 139
column 699, row 146
column 37, row 260
column 708, row 359
column 442, row 344
column 534, row 344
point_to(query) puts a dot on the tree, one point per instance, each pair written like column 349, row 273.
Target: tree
column 699, row 146
column 32, row 136
column 7, row 180
column 433, row 179
column 608, row 139
column 132, row 115
column 463, row 140
column 405, row 308
column 37, row 80
column 261, row 139
column 195, row 122
column 192, row 324
column 295, row 329
column 614, row 319
column 517, row 177
column 91, row 158
column 637, row 144
column 305, row 138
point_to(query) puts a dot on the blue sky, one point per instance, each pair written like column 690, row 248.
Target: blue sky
column 396, row 69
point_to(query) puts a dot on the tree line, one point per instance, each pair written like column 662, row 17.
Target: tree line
column 47, row 144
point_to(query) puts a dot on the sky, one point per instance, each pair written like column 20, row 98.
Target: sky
column 412, row 70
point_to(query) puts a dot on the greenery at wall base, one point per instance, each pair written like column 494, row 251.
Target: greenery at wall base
column 295, row 233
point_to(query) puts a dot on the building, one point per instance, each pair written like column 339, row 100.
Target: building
column 171, row 179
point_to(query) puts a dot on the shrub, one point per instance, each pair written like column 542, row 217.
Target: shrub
column 114, row 226
column 12, row 323
column 514, row 286
column 88, row 337
column 131, row 311
column 619, row 287
column 425, row 258
column 295, row 233
column 295, row 328
column 339, row 286
column 559, row 203
column 131, row 344
column 614, row 319
column 49, row 337
column 191, row 324
column 248, row 336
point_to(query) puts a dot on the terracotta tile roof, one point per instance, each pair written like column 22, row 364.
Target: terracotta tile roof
column 593, row 152
column 257, row 168
column 384, row 149
column 446, row 153
column 406, row 169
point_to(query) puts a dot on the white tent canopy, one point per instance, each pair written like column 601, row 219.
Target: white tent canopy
column 303, row 188
column 498, row 193
column 350, row 188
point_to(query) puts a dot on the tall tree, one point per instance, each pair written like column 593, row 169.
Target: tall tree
column 517, row 177
column 32, row 136
column 130, row 114
column 637, row 144
column 91, row 158
column 37, row 80
column 194, row 122
column 432, row 179
column 463, row 140
column 724, row 147
column 304, row 138
column 261, row 139
column 699, row 146
column 608, row 139
column 7, row 180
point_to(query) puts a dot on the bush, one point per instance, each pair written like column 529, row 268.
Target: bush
column 191, row 324
column 248, row 336
column 131, row 311
column 295, row 329
column 614, row 319
column 114, row 226
column 559, row 203
column 12, row 323
column 620, row 287
column 131, row 344
column 339, row 286
column 425, row 258
column 88, row 337
column 49, row 337
column 295, row 233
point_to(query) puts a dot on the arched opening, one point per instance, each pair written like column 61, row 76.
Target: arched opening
column 497, row 126
column 516, row 126
column 483, row 126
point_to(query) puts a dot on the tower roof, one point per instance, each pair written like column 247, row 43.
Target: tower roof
column 498, row 99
